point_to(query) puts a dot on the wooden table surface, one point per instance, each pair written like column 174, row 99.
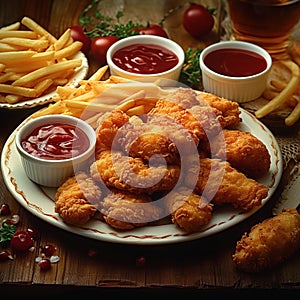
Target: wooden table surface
column 199, row 268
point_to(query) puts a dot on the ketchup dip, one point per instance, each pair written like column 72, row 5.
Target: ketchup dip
column 235, row 62
column 145, row 59
column 56, row 141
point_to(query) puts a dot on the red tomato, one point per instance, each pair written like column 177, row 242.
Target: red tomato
column 153, row 29
column 78, row 34
column 99, row 47
column 197, row 20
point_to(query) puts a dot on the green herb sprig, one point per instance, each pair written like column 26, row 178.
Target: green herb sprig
column 6, row 233
column 107, row 26
column 191, row 72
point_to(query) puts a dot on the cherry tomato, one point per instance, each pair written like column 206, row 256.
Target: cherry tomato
column 78, row 34
column 153, row 29
column 197, row 20
column 99, row 47
column 21, row 241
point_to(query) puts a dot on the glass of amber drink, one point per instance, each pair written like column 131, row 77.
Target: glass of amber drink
column 267, row 23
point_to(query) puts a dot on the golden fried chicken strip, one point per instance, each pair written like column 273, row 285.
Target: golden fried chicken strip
column 230, row 112
column 222, row 184
column 126, row 173
column 108, row 126
column 269, row 243
column 179, row 115
column 77, row 199
column 204, row 115
column 158, row 136
column 242, row 150
column 124, row 211
column 189, row 211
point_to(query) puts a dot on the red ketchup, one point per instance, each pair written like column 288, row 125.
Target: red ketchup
column 235, row 62
column 145, row 59
column 56, row 141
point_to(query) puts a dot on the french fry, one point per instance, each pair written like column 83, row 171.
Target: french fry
column 59, row 67
column 63, row 40
column 99, row 73
column 14, row 26
column 13, row 98
column 285, row 94
column 28, row 43
column 17, row 90
column 294, row 116
column 18, row 33
column 6, row 57
column 68, row 51
column 31, row 24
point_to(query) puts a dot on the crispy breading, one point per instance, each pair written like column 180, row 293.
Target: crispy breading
column 126, row 173
column 242, row 150
column 108, row 126
column 189, row 211
column 230, row 111
column 77, row 199
column 269, row 243
column 124, row 211
column 222, row 184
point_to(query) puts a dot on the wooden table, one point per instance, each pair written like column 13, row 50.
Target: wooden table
column 198, row 268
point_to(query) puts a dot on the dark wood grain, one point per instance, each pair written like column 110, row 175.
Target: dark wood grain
column 198, row 268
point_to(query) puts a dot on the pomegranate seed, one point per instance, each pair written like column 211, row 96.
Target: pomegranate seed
column 5, row 210
column 4, row 255
column 15, row 219
column 48, row 250
column 140, row 261
column 32, row 233
column 21, row 241
column 44, row 264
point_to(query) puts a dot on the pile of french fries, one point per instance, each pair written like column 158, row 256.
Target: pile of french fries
column 284, row 93
column 94, row 96
column 33, row 62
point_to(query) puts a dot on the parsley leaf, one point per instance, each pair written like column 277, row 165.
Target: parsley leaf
column 6, row 233
column 191, row 73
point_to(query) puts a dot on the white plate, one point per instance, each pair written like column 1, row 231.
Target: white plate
column 80, row 73
column 39, row 200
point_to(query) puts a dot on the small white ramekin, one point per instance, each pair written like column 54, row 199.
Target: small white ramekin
column 239, row 89
column 171, row 74
column 52, row 173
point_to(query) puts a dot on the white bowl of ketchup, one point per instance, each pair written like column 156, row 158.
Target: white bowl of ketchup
column 145, row 58
column 54, row 147
column 235, row 70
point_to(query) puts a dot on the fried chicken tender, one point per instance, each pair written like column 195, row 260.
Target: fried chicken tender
column 158, row 136
column 77, row 199
column 222, row 184
column 126, row 173
column 230, row 112
column 125, row 211
column 202, row 115
column 189, row 211
column 108, row 126
column 269, row 243
column 242, row 150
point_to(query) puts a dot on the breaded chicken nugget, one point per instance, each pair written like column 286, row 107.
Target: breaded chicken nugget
column 242, row 150
column 189, row 211
column 126, row 173
column 124, row 211
column 222, row 184
column 269, row 243
column 77, row 199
